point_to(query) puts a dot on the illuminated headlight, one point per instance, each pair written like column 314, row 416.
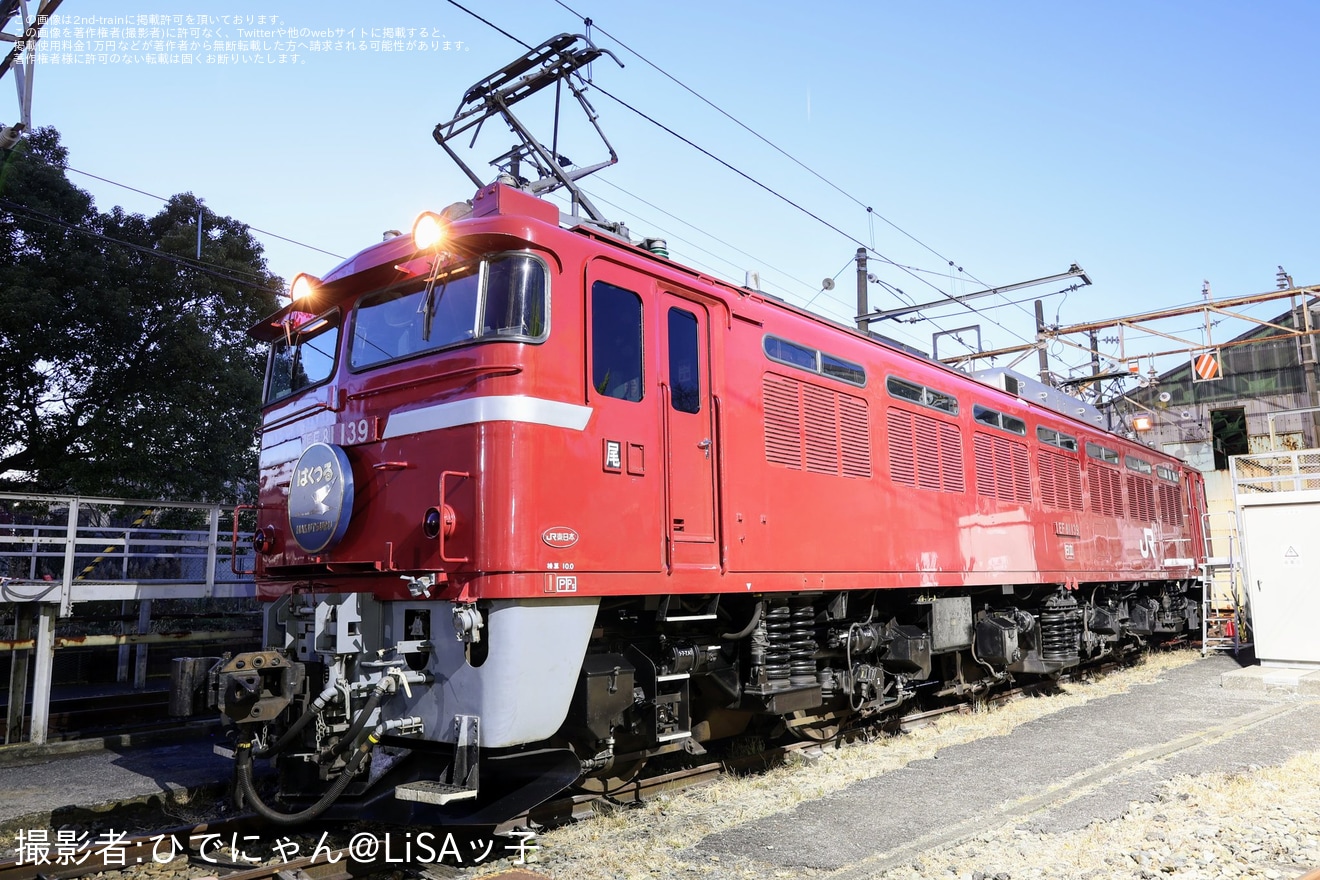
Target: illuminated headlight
column 303, row 286
column 428, row 231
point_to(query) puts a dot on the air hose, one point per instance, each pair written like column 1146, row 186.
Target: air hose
column 243, row 776
column 751, row 624
column 322, row 700
column 385, row 687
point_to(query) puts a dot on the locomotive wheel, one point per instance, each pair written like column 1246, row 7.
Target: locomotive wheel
column 618, row 776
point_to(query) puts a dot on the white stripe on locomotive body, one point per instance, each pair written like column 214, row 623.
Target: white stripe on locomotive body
column 474, row 410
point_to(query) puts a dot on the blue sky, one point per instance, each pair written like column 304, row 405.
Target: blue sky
column 1154, row 144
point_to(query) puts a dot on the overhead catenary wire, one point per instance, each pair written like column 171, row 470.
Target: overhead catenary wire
column 845, row 315
column 729, row 166
column 835, row 308
column 206, row 268
column 293, row 241
column 882, row 257
column 672, row 237
column 745, row 176
column 838, row 309
column 219, row 271
column 834, row 277
column 871, row 213
column 667, row 234
column 710, row 235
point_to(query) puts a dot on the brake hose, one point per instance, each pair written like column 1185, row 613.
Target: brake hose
column 243, row 775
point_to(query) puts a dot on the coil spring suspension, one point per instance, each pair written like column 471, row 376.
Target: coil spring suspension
column 1060, row 630
column 802, row 646
column 1176, row 605
column 778, row 654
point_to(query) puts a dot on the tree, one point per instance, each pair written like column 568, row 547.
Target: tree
column 125, row 366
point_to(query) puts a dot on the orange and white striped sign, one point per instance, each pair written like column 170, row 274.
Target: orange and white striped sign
column 1206, row 365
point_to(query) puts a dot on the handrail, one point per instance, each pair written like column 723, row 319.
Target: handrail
column 1278, row 471
column 78, row 551
column 717, row 429
column 62, row 556
column 233, row 544
column 666, row 471
column 446, row 512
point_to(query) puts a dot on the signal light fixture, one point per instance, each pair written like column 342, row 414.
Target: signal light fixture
column 428, row 231
column 303, row 286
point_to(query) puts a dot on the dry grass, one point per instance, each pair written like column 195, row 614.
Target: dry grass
column 649, row 841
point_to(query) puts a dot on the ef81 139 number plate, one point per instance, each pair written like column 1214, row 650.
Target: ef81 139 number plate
column 347, row 433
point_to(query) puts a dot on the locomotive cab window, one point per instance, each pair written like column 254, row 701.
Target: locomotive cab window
column 514, row 297
column 304, row 357
column 503, row 297
column 1166, row 473
column 616, row 342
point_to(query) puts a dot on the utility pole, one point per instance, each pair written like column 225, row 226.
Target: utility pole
column 1306, row 354
column 21, row 59
column 1309, row 367
column 1312, row 365
column 1095, row 371
column 1041, row 353
column 863, row 324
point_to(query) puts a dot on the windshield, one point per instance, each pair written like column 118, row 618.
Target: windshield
column 503, row 297
column 303, row 358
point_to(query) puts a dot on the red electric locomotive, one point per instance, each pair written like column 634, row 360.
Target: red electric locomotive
column 539, row 504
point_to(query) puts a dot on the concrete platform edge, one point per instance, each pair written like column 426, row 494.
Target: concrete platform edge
column 1301, row 680
column 23, row 753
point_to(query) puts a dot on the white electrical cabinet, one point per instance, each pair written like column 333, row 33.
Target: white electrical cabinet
column 1281, row 553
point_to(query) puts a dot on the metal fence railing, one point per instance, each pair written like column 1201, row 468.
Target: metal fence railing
column 59, row 551
column 1276, row 472
column 67, row 549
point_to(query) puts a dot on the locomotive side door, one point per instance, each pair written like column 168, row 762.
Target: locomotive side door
column 689, row 431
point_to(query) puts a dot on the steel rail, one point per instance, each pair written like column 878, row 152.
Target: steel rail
column 341, row 864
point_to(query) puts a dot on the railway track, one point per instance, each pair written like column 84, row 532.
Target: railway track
column 218, row 846
column 77, row 717
column 577, row 807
